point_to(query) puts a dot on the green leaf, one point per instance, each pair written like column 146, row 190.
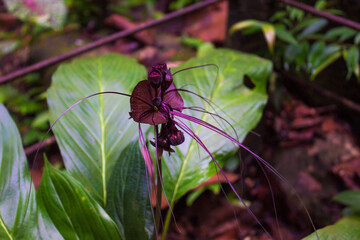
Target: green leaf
column 296, row 54
column 295, row 14
column 128, row 201
column 46, row 13
column 346, row 228
column 357, row 39
column 278, row 15
column 349, row 198
column 71, row 208
column 321, row 56
column 315, row 52
column 242, row 107
column 285, row 35
column 243, row 25
column 351, row 56
column 269, row 34
column 93, row 134
column 332, row 58
column 314, row 27
column 267, row 28
column 190, row 199
column 340, row 33
column 17, row 205
column 320, row 4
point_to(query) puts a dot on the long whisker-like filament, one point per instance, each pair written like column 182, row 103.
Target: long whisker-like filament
column 158, row 165
column 186, row 129
column 158, row 194
column 148, row 164
column 199, row 109
column 272, row 199
column 219, row 131
column 200, row 66
column 208, row 101
column 257, row 157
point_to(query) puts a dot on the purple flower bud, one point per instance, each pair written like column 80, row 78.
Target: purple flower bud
column 176, row 138
column 168, row 80
column 161, row 67
column 155, row 78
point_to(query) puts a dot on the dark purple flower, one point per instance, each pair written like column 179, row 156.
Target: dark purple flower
column 151, row 103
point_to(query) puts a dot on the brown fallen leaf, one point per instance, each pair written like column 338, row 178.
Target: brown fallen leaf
column 305, row 122
column 329, row 125
column 208, row 24
column 348, row 172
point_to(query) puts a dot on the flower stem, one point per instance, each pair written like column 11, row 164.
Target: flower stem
column 166, row 225
column 159, row 152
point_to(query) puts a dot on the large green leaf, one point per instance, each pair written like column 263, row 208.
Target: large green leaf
column 241, row 106
column 346, row 228
column 72, row 209
column 128, row 201
column 92, row 135
column 47, row 13
column 17, row 201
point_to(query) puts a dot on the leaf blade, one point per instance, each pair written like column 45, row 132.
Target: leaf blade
column 17, row 205
column 96, row 123
column 128, row 202
column 71, row 208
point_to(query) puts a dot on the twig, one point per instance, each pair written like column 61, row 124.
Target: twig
column 331, row 17
column 105, row 40
column 31, row 149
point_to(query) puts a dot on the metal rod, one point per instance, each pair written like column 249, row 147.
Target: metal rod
column 105, row 40
column 331, row 17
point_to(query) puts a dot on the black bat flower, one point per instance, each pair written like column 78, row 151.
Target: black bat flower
column 156, row 101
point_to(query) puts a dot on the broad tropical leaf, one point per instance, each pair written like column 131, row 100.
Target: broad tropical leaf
column 72, row 209
column 93, row 134
column 128, row 201
column 241, row 106
column 17, row 201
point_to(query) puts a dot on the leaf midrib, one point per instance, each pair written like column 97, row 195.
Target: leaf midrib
column 102, row 133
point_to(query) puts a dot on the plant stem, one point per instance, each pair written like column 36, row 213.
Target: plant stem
column 167, row 224
column 159, row 152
